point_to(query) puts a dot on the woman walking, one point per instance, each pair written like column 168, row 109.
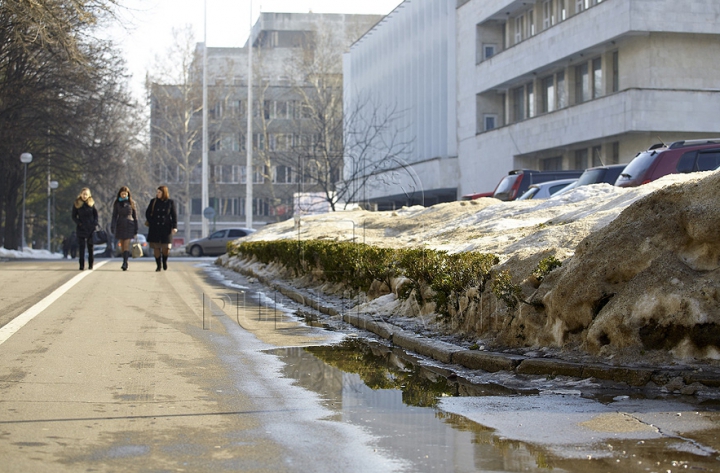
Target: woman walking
column 162, row 217
column 85, row 216
column 124, row 222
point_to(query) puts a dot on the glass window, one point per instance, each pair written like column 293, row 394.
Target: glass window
column 548, row 17
column 562, row 98
column 530, row 23
column 582, row 83
column 581, row 158
column 234, row 233
column 519, row 26
column 490, row 122
column 519, row 104
column 489, row 50
column 597, row 156
column 597, row 77
column 708, row 160
column 616, row 72
column 562, row 10
column 551, row 164
column 548, row 94
column 686, row 163
column 530, row 100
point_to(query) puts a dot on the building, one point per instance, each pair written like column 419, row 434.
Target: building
column 400, row 78
column 297, row 70
column 568, row 84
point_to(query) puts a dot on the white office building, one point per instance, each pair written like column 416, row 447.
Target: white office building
column 401, row 74
column 568, row 84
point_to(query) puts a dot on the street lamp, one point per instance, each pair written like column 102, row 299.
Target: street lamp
column 25, row 158
column 51, row 185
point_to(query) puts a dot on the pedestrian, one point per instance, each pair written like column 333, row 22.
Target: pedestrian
column 65, row 247
column 161, row 217
column 124, row 223
column 85, row 216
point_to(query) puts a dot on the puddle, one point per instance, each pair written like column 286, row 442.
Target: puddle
column 418, row 415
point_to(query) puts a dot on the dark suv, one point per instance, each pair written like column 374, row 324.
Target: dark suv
column 678, row 157
column 517, row 181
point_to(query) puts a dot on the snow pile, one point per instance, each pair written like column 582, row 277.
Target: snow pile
column 29, row 253
column 640, row 265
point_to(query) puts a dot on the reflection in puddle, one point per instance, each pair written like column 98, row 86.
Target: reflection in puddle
column 394, row 399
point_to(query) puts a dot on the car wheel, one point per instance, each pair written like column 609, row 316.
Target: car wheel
column 196, row 251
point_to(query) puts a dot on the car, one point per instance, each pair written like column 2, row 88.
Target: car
column 678, row 157
column 139, row 238
column 545, row 190
column 519, row 180
column 477, row 195
column 596, row 175
column 216, row 243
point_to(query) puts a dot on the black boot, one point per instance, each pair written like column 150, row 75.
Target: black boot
column 91, row 259
column 124, row 266
column 164, row 261
column 82, row 261
column 157, row 261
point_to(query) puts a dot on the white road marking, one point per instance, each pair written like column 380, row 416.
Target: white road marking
column 18, row 322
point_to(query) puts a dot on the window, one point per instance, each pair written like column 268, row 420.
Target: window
column 548, row 94
column 530, row 24
column 708, row 160
column 548, row 17
column 615, row 72
column 490, row 122
column 562, row 98
column 580, row 5
column 281, row 109
column 519, row 26
column 581, row 158
column 582, row 84
column 283, row 175
column 519, row 104
column 597, row 156
column 530, row 88
column 229, row 142
column 615, row 152
column 562, row 10
column 259, row 141
column 551, row 164
column 234, row 233
column 488, row 50
column 196, row 175
column 258, row 175
column 597, row 77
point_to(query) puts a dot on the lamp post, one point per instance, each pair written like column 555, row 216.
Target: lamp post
column 25, row 158
column 51, row 185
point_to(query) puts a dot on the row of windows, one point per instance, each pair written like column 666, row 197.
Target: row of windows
column 552, row 92
column 271, row 109
column 274, row 141
column 236, row 207
column 584, row 158
column 230, row 174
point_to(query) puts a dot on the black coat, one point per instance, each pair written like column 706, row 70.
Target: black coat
column 163, row 220
column 124, row 220
column 86, row 219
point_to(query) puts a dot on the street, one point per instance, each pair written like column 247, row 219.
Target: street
column 183, row 370
column 118, row 374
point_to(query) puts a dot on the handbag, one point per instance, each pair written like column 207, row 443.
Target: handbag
column 147, row 222
column 137, row 251
column 99, row 237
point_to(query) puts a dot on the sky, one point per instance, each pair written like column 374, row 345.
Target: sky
column 149, row 23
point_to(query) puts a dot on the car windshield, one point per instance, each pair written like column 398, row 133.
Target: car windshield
column 591, row 176
column 505, row 187
column 529, row 194
column 639, row 165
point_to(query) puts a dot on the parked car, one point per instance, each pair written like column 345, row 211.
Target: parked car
column 545, row 190
column 677, row 157
column 596, row 175
column 140, row 238
column 477, row 195
column 216, row 243
column 518, row 181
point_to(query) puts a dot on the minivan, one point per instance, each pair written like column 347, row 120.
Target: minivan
column 678, row 157
column 519, row 180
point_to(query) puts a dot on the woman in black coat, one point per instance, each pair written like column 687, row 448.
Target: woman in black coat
column 85, row 216
column 124, row 222
column 162, row 217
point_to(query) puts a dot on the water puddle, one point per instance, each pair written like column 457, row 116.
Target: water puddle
column 441, row 424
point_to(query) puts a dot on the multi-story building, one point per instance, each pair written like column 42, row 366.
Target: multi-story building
column 292, row 54
column 568, row 84
column 399, row 80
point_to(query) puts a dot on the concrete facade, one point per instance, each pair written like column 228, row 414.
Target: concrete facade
column 406, row 63
column 568, row 84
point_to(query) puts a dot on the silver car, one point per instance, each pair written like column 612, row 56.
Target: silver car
column 216, row 243
column 545, row 189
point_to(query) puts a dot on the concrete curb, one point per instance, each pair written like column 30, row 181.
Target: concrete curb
column 492, row 361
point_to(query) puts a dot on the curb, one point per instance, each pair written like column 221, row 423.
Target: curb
column 493, row 361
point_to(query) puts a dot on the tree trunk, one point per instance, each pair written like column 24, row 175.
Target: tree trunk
column 12, row 235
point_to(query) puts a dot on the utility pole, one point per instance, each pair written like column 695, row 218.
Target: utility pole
column 249, row 137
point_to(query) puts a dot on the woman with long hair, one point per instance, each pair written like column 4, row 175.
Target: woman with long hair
column 124, row 222
column 162, row 217
column 85, row 216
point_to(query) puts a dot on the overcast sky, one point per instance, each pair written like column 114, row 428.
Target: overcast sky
column 150, row 23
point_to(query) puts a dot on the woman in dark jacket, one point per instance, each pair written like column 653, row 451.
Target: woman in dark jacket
column 85, row 216
column 124, row 222
column 162, row 217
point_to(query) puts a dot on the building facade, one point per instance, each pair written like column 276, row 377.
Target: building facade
column 292, row 54
column 569, row 84
column 400, row 78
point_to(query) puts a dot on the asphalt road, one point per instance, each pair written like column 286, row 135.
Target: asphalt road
column 127, row 371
